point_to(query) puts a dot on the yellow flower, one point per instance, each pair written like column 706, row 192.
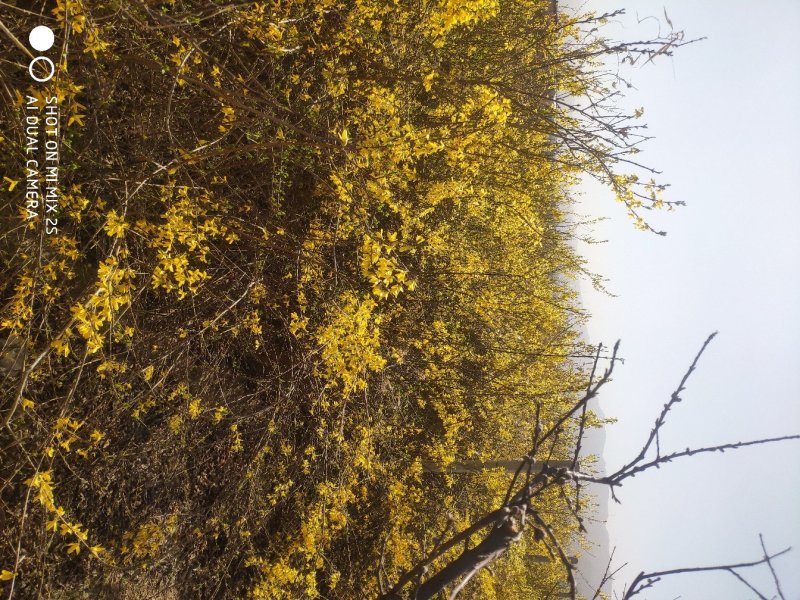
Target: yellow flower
column 12, row 183
column 115, row 225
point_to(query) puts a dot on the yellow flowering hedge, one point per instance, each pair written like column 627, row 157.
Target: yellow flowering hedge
column 305, row 248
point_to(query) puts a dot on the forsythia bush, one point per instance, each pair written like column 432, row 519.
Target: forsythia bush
column 305, row 248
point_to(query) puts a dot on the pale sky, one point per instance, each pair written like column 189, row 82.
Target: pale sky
column 724, row 114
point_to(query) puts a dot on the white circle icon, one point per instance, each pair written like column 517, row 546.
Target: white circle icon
column 41, row 38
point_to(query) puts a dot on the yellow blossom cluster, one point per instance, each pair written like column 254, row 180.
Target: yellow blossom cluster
column 291, row 292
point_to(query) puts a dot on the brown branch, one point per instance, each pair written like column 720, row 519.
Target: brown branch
column 675, row 398
column 769, row 558
column 408, row 576
column 748, row 585
column 582, row 423
column 647, row 580
column 608, row 575
column 591, row 392
column 568, row 566
column 494, row 545
column 616, row 478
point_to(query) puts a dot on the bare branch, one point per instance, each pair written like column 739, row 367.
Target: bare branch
column 675, row 398
column 748, row 585
column 646, row 580
column 591, row 392
column 582, row 424
column 769, row 558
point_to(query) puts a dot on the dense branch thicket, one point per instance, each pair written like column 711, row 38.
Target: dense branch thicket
column 526, row 506
column 303, row 248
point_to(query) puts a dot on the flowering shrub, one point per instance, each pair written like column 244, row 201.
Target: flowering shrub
column 305, row 248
